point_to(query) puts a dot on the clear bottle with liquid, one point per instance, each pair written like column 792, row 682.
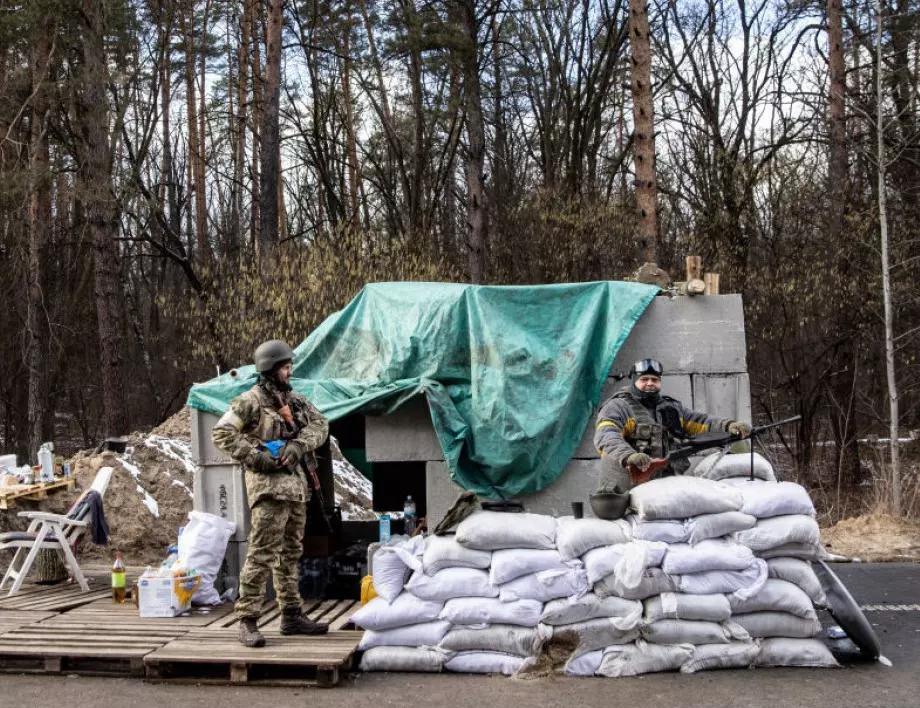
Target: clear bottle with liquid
column 409, row 515
column 384, row 528
column 118, row 580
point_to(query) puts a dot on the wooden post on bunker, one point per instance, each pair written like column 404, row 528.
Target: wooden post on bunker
column 711, row 281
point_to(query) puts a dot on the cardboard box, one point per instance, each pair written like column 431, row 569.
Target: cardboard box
column 166, row 596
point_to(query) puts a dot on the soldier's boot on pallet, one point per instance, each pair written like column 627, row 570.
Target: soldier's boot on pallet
column 293, row 622
column 250, row 636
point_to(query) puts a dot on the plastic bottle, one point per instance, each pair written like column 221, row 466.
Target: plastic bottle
column 118, row 580
column 172, row 557
column 46, row 460
column 384, row 528
column 409, row 515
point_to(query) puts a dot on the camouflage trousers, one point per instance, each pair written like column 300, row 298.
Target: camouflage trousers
column 275, row 546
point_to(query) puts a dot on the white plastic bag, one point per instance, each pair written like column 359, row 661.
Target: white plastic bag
column 643, row 658
column 798, row 572
column 406, row 609
column 627, row 560
column 202, row 546
column 675, row 631
column 712, row 554
column 485, row 610
column 680, row 497
column 512, row 563
column 575, row 537
column 779, row 531
column 424, row 659
column 717, row 525
column 778, row 624
column 450, row 583
column 594, row 634
column 626, row 612
column 654, row 581
column 503, row 638
column 776, row 596
column 494, row 530
column 584, row 664
column 734, row 655
column 427, row 634
column 546, row 585
column 783, row 651
column 485, row 662
column 671, row 605
column 768, row 499
column 744, row 583
column 444, row 552
column 719, row 466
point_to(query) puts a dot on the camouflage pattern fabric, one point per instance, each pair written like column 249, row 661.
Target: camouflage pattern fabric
column 275, row 546
column 253, row 418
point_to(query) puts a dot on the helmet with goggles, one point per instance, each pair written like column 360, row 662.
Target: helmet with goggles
column 647, row 367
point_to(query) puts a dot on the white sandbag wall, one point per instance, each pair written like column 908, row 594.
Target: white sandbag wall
column 707, row 573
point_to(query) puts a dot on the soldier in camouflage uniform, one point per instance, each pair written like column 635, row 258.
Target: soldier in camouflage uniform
column 277, row 488
column 639, row 423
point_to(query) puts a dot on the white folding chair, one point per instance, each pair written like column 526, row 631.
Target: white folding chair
column 55, row 532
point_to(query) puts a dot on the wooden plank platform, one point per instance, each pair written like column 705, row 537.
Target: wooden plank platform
column 336, row 613
column 9, row 495
column 214, row 656
column 105, row 613
column 13, row 619
column 91, row 650
column 53, row 598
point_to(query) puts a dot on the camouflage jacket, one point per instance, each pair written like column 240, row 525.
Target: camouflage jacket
column 254, row 418
column 626, row 425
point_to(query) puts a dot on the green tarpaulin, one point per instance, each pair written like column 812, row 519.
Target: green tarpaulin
column 511, row 374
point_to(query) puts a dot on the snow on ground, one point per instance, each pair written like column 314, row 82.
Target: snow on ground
column 135, row 472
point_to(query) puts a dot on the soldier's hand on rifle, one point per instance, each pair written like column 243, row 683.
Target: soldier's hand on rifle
column 264, row 463
column 742, row 430
column 291, row 454
column 640, row 460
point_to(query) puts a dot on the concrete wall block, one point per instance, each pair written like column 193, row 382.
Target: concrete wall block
column 407, row 435
column 204, row 452
column 220, row 490
column 688, row 335
column 723, row 396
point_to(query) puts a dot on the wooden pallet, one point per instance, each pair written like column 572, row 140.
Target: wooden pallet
column 215, row 656
column 105, row 613
column 9, row 495
column 13, row 619
column 52, row 598
column 336, row 613
column 91, row 649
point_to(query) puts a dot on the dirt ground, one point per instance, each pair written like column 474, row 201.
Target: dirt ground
column 874, row 538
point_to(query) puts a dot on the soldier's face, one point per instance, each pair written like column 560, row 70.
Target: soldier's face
column 648, row 383
column 284, row 372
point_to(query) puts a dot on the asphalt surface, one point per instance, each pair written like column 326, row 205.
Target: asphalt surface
column 891, row 590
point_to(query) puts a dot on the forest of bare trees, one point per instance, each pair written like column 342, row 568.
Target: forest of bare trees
column 180, row 179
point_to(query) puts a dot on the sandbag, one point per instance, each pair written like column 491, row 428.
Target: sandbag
column 444, row 552
column 776, row 596
column 665, row 531
column 642, row 658
column 504, row 638
column 378, row 614
column 720, row 466
column 202, row 546
column 494, row 530
column 680, row 497
column 627, row 560
column 485, row 662
column 393, row 564
column 798, row 572
column 784, row 651
column 712, row 554
column 744, row 583
column 675, row 631
column 626, row 612
column 594, row 634
column 421, row 659
column 484, row 610
column 780, row 530
column 778, row 624
column 575, row 537
column 671, row 605
column 734, row 655
column 427, row 634
column 717, row 525
column 802, row 551
column 584, row 664
column 450, row 583
column 511, row 563
column 768, row 499
column 654, row 582
column 546, row 585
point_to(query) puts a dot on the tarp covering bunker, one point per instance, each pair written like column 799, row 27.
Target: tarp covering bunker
column 512, row 375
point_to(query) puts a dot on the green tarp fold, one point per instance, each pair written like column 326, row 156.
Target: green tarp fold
column 511, row 374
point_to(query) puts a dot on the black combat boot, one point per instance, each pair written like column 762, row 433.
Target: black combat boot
column 250, row 636
column 293, row 622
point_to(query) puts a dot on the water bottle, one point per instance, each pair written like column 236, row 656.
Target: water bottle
column 166, row 567
column 409, row 515
column 384, row 528
column 46, row 460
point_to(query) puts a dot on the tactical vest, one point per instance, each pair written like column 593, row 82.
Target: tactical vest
column 657, row 431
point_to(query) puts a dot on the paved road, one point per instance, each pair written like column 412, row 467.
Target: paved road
column 859, row 685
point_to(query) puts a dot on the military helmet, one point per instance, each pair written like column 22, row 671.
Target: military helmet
column 647, row 367
column 271, row 353
column 609, row 505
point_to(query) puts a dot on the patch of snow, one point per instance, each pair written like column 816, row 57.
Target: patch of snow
column 178, row 450
column 149, row 501
column 135, row 472
column 179, row 483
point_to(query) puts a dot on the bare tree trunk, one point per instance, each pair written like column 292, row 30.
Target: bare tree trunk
column 255, row 16
column 354, row 172
column 268, row 195
column 242, row 103
column 644, row 119
column 893, row 428
column 195, row 167
column 101, row 214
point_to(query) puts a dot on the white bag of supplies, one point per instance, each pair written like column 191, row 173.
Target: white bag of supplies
column 202, row 546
